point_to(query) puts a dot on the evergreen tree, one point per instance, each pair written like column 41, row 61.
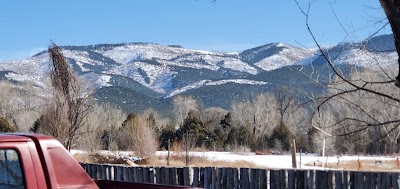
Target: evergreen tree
column 195, row 127
column 282, row 135
column 167, row 134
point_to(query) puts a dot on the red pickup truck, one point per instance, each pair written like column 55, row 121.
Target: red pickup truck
column 32, row 161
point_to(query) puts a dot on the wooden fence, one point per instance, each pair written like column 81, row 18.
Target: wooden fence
column 245, row 178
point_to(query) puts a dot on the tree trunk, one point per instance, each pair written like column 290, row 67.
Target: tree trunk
column 392, row 11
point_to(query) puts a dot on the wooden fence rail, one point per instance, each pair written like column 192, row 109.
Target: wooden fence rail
column 245, row 178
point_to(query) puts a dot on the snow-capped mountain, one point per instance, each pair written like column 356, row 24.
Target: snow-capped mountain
column 152, row 73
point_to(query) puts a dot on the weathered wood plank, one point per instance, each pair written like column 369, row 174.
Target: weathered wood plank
column 213, row 175
column 111, row 173
column 384, row 180
column 253, row 179
column 167, row 175
column 291, row 179
column 246, row 178
column 272, row 183
column 318, row 179
column 310, row 181
column 229, row 178
column 352, row 182
column 235, row 178
column 207, row 177
column 300, row 174
column 196, row 177
column 151, row 175
column 346, row 179
column 181, row 179
column 173, row 176
column 186, row 176
column 338, row 180
column 224, row 178
column 202, row 170
column 125, row 174
column 158, row 175
column 256, row 179
column 329, row 175
column 282, row 178
column 118, row 173
column 263, row 179
column 395, row 182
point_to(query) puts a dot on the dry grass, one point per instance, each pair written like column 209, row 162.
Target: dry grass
column 364, row 165
column 176, row 160
column 98, row 158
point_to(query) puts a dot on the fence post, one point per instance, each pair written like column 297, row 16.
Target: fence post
column 294, row 162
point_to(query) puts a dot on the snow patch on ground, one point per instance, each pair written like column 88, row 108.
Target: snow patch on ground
column 267, row 161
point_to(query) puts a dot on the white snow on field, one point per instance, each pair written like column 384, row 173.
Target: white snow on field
column 267, row 161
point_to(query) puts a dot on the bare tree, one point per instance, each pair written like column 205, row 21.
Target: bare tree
column 373, row 96
column 19, row 103
column 135, row 134
column 182, row 105
column 68, row 107
column 102, row 119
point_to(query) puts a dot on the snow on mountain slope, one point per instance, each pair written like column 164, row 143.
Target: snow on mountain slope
column 32, row 70
column 371, row 60
column 238, row 81
column 286, row 56
column 155, row 77
column 187, row 87
column 178, row 57
column 98, row 80
column 188, row 64
column 214, row 63
column 81, row 58
column 143, row 51
column 209, row 82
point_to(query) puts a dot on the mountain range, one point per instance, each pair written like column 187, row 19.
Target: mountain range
column 137, row 76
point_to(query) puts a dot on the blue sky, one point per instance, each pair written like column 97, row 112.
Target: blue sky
column 27, row 27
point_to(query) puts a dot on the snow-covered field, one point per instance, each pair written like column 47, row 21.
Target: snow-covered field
column 304, row 161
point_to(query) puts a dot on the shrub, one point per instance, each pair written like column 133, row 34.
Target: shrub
column 5, row 126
